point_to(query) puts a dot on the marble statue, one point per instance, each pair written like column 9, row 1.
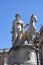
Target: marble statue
column 31, row 31
column 17, row 28
column 24, row 54
column 32, row 27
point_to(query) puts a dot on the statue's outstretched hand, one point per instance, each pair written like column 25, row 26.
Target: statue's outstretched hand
column 26, row 25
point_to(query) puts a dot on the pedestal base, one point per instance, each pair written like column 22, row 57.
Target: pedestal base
column 24, row 55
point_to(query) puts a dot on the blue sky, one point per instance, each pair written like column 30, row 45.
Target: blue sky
column 8, row 9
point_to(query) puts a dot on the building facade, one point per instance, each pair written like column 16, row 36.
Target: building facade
column 4, row 56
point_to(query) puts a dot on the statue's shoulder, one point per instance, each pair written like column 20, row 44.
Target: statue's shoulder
column 21, row 22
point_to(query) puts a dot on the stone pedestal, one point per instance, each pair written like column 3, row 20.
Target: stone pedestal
column 24, row 55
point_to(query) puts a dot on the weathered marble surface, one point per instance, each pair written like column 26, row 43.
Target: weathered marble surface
column 24, row 55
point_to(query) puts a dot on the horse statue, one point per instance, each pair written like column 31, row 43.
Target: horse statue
column 28, row 35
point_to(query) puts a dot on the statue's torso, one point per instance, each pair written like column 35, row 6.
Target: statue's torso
column 18, row 25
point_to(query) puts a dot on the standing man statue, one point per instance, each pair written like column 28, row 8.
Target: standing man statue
column 17, row 28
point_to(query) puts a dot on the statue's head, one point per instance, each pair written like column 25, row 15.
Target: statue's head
column 34, row 18
column 17, row 16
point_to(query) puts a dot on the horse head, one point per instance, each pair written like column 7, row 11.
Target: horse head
column 33, row 18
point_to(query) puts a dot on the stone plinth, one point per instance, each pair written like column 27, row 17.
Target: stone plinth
column 24, row 55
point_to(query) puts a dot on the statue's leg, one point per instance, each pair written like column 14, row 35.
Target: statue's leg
column 15, row 36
